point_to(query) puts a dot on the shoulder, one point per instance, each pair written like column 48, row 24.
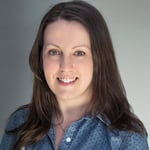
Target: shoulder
column 128, row 140
column 134, row 140
column 17, row 118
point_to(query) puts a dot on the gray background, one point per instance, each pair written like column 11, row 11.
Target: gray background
column 129, row 24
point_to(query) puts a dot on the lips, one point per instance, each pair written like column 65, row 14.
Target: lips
column 67, row 80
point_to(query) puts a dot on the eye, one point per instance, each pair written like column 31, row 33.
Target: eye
column 54, row 52
column 79, row 53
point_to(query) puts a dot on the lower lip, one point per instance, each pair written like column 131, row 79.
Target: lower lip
column 67, row 84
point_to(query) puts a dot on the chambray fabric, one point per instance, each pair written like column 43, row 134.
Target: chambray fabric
column 85, row 134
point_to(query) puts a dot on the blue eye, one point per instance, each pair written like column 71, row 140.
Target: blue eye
column 54, row 52
column 79, row 53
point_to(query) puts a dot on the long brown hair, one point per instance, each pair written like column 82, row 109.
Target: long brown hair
column 108, row 99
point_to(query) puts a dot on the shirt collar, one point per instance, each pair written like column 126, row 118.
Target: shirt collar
column 104, row 119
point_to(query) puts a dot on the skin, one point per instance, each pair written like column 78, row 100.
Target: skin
column 68, row 69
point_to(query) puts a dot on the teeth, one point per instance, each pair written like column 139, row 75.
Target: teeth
column 67, row 80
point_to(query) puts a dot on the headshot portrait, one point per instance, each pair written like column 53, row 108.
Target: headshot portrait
column 75, row 75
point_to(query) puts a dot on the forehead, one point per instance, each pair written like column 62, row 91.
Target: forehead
column 62, row 22
column 62, row 30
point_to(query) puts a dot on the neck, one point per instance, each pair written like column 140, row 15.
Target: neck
column 73, row 109
column 71, row 114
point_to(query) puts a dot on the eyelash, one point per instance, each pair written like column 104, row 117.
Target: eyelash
column 79, row 53
column 57, row 52
column 54, row 52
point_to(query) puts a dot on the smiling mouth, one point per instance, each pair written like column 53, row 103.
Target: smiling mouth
column 67, row 80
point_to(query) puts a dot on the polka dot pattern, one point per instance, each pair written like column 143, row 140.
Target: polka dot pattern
column 85, row 134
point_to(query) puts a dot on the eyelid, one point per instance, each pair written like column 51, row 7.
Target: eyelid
column 79, row 53
column 54, row 52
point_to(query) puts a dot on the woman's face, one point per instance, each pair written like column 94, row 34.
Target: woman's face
column 67, row 61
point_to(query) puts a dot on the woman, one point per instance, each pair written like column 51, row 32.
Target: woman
column 78, row 99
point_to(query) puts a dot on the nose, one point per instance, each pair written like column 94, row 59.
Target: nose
column 66, row 63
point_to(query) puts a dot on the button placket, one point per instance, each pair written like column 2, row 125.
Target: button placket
column 68, row 137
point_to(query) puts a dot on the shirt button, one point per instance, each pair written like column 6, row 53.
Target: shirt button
column 68, row 139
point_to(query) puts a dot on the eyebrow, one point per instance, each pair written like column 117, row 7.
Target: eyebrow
column 82, row 45
column 51, row 44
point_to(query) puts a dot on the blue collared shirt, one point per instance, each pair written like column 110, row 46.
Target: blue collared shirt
column 85, row 134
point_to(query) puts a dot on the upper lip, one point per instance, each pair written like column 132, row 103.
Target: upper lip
column 67, row 79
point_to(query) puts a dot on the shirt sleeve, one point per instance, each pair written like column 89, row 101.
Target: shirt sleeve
column 135, row 141
column 7, row 142
column 8, row 139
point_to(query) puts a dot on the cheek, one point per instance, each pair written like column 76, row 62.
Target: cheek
column 49, row 67
column 85, row 68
